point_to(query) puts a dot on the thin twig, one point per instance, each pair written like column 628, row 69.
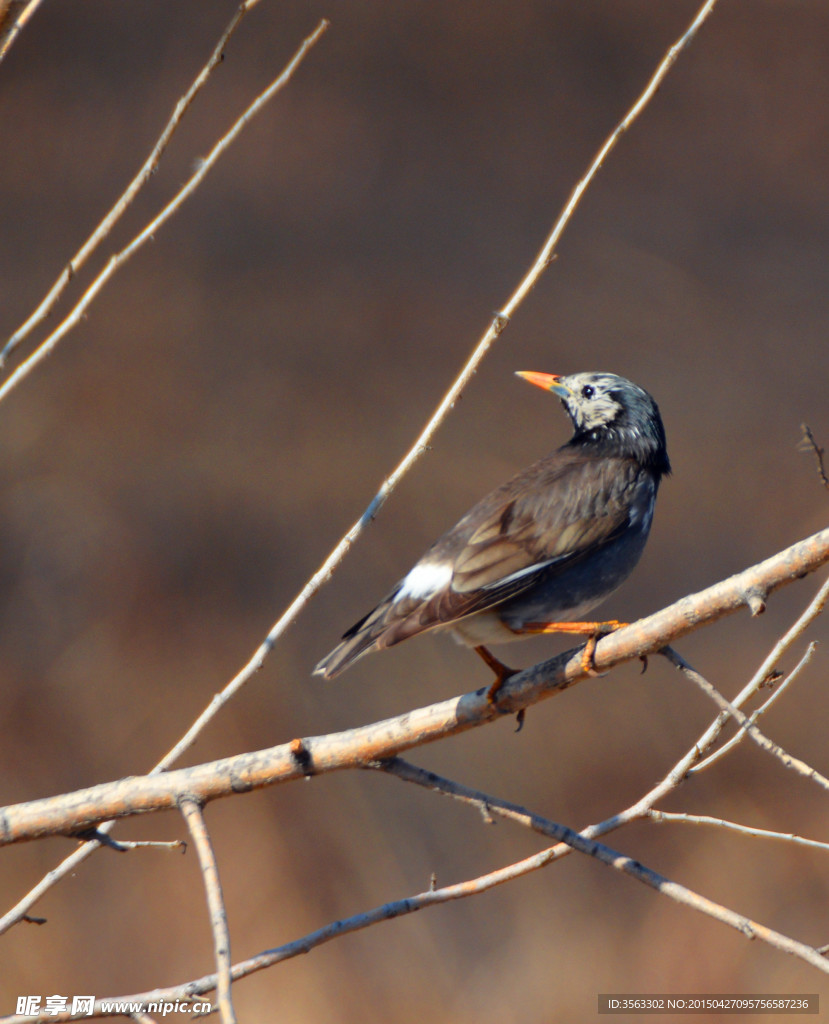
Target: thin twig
column 149, row 168
column 11, row 32
column 120, row 258
column 19, row 912
column 794, row 763
column 194, row 816
column 548, row 250
column 798, row 628
column 808, row 443
column 487, row 805
column 747, row 830
column 125, row 845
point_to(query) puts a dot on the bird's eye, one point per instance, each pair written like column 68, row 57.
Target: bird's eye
column 588, row 391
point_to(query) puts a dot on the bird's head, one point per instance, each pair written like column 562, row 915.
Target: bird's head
column 609, row 413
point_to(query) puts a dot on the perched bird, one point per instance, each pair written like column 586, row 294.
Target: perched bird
column 544, row 548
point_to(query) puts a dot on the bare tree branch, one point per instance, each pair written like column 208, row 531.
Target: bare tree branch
column 13, row 16
column 120, row 258
column 768, row 667
column 643, row 808
column 435, row 896
column 355, row 747
column 149, row 168
column 70, row 863
column 570, row 840
column 194, row 816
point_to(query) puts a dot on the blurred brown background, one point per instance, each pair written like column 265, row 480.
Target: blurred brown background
column 190, row 454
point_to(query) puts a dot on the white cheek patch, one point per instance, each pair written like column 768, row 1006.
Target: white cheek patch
column 425, row 579
column 599, row 412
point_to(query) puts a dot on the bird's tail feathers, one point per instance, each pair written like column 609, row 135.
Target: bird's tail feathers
column 383, row 627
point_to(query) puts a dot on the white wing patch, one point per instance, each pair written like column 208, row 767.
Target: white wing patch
column 426, row 579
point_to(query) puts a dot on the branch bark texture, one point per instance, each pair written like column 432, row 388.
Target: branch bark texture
column 354, row 748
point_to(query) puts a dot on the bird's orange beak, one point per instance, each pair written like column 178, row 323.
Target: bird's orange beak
column 548, row 381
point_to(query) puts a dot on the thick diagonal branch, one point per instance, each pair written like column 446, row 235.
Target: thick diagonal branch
column 336, row 751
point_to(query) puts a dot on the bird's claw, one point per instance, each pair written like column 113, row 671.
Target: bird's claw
column 588, row 656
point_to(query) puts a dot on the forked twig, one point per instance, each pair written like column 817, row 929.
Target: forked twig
column 582, row 842
column 769, row 665
column 489, row 806
column 794, row 763
column 761, row 710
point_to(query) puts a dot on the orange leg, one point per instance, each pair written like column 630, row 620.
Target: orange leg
column 502, row 672
column 593, row 630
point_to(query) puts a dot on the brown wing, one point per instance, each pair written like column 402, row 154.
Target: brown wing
column 544, row 519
